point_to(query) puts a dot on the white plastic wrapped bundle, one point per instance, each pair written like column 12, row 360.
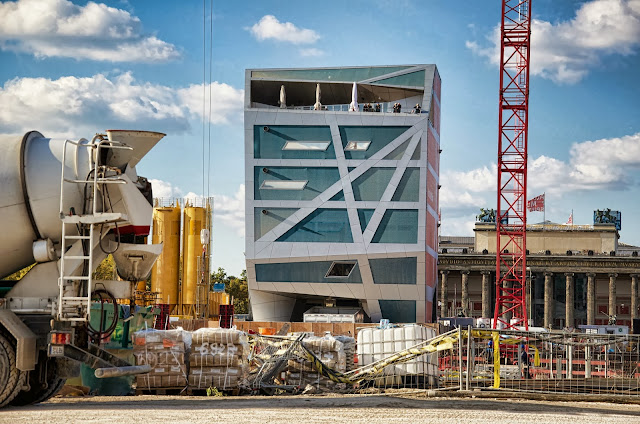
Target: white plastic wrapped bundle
column 349, row 345
column 331, row 353
column 164, row 351
column 218, row 358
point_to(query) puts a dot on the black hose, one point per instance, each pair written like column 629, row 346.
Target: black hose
column 98, row 335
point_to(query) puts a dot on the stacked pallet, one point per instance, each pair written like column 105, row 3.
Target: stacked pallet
column 329, row 350
column 218, row 358
column 165, row 352
column 349, row 346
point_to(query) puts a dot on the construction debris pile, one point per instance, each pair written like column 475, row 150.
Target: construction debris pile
column 331, row 352
column 218, row 358
column 164, row 352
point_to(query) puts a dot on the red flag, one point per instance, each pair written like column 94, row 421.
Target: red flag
column 570, row 221
column 536, row 204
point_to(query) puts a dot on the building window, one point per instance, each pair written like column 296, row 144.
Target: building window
column 340, row 269
column 359, row 146
column 283, row 184
column 306, row 145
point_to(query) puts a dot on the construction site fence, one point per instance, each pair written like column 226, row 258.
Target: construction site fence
column 556, row 362
column 461, row 359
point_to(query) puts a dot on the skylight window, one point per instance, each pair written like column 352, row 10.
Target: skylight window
column 283, row 185
column 306, row 145
column 359, row 146
column 340, row 269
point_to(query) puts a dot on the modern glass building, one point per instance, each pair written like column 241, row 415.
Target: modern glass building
column 342, row 190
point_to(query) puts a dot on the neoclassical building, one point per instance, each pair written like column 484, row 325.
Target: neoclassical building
column 578, row 274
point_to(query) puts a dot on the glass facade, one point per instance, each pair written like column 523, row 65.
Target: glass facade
column 378, row 136
column 398, row 152
column 398, row 226
column 327, row 226
column 371, row 185
column 394, row 270
column 398, row 311
column 364, row 216
column 333, row 75
column 266, row 219
column 271, row 144
column 318, row 180
column 413, row 79
column 321, row 226
column 408, row 189
column 303, row 272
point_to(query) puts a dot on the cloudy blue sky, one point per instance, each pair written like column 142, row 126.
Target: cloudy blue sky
column 75, row 68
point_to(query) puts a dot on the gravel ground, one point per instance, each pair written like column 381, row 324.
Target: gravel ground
column 315, row 409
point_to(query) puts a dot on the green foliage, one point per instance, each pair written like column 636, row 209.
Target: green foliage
column 213, row 391
column 236, row 287
column 16, row 276
column 106, row 270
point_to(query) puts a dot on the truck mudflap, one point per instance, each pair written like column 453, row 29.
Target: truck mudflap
column 26, row 351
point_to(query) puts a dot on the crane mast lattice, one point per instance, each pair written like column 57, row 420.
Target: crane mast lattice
column 511, row 216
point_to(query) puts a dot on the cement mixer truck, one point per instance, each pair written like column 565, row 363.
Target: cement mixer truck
column 64, row 206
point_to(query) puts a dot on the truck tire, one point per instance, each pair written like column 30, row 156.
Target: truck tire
column 15, row 379
column 41, row 390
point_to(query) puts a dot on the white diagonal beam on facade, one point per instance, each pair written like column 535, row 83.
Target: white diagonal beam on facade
column 390, row 190
column 294, row 219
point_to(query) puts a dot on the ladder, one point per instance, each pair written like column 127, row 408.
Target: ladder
column 79, row 232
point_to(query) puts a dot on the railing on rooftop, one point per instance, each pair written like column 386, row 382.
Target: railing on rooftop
column 384, row 108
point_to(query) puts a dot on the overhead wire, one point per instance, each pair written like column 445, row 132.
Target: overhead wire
column 204, row 86
column 210, row 94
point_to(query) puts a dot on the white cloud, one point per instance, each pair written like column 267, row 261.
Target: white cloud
column 226, row 101
column 73, row 104
column 164, row 190
column 565, row 51
column 462, row 190
column 269, row 27
column 606, row 164
column 228, row 211
column 312, row 52
column 58, row 28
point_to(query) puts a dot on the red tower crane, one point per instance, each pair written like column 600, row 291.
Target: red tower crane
column 511, row 217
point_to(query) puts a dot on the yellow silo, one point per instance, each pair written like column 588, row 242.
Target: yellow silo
column 141, row 288
column 164, row 276
column 195, row 219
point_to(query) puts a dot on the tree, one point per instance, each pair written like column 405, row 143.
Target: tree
column 106, row 270
column 235, row 287
column 239, row 289
column 16, row 276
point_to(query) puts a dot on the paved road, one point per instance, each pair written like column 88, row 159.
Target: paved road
column 315, row 409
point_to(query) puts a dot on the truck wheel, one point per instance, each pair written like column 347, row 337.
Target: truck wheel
column 15, row 379
column 40, row 390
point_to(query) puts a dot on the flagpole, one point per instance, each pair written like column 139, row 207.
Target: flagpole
column 544, row 211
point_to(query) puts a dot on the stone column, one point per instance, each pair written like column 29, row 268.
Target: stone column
column 634, row 297
column 569, row 301
column 486, row 295
column 591, row 298
column 548, row 299
column 506, row 315
column 465, row 293
column 612, row 294
column 529, row 293
column 444, row 295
